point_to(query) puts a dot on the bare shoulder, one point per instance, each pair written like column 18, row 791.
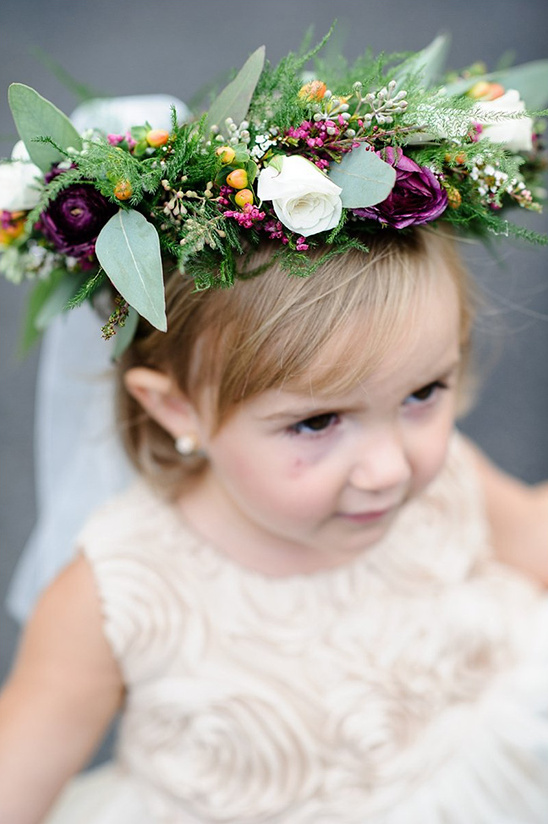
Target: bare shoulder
column 65, row 634
column 518, row 517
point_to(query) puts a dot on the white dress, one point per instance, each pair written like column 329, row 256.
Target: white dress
column 407, row 687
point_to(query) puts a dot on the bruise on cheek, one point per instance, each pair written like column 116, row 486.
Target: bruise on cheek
column 297, row 467
column 304, row 462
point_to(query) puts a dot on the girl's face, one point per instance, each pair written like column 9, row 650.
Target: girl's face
column 298, row 482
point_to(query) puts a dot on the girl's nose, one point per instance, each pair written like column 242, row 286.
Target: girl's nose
column 382, row 463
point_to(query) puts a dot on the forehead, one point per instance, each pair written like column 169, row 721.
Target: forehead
column 411, row 336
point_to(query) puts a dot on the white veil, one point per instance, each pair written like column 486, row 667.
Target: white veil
column 79, row 461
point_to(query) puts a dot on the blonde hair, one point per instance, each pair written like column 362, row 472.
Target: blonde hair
column 269, row 331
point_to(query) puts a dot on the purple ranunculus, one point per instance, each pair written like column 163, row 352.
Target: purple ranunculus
column 417, row 196
column 75, row 218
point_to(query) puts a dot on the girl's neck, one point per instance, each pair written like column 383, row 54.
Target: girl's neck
column 215, row 520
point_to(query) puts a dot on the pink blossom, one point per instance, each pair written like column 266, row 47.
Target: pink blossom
column 247, row 217
column 475, row 132
column 275, row 230
column 5, row 219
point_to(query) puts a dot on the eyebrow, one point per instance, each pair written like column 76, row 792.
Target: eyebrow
column 321, row 405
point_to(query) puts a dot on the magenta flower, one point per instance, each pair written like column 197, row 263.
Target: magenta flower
column 75, row 218
column 417, row 196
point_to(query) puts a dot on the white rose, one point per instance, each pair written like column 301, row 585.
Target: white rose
column 19, row 191
column 516, row 134
column 304, row 199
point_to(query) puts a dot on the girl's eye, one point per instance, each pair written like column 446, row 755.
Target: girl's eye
column 315, row 424
column 424, row 394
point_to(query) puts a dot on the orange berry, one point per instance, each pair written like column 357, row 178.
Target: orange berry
column 157, row 138
column 495, row 90
column 479, row 89
column 483, row 90
column 314, row 90
column 459, row 158
column 226, row 154
column 123, row 190
column 243, row 196
column 237, row 179
column 454, row 197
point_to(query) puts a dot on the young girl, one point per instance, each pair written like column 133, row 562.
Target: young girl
column 319, row 603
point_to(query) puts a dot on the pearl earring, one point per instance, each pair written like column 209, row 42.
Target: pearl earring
column 187, row 446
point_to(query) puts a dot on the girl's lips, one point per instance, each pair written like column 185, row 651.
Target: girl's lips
column 365, row 517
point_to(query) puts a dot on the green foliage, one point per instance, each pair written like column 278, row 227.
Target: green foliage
column 36, row 117
column 427, row 65
column 440, row 117
column 48, row 195
column 233, row 102
column 186, row 160
column 87, row 290
column 530, row 80
column 106, row 166
column 300, row 264
column 364, row 178
column 125, row 332
column 173, row 199
column 370, row 70
column 205, row 269
column 276, row 98
column 128, row 249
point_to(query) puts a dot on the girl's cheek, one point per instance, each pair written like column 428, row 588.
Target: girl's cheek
column 433, row 461
column 297, row 467
column 307, row 459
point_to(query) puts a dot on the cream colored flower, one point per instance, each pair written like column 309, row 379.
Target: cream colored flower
column 515, row 133
column 19, row 189
column 304, row 199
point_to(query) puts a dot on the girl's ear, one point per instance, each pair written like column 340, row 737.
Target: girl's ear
column 161, row 399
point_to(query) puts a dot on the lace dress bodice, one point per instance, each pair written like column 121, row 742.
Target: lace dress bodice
column 406, row 686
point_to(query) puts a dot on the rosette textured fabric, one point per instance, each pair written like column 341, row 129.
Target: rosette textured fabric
column 380, row 692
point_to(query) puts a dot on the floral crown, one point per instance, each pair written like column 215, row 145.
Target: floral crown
column 326, row 158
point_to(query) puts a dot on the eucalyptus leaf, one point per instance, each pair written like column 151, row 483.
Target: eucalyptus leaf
column 364, row 178
column 125, row 334
column 530, row 80
column 35, row 117
column 429, row 62
column 235, row 98
column 128, row 249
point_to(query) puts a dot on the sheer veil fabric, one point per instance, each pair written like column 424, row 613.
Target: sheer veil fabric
column 79, row 461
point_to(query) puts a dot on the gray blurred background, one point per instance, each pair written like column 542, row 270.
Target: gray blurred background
column 148, row 46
